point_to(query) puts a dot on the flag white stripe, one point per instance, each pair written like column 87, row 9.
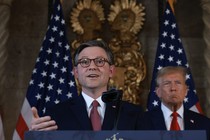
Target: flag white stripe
column 194, row 108
column 16, row 136
column 26, row 112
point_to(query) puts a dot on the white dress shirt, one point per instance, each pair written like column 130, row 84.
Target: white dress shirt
column 168, row 118
column 101, row 107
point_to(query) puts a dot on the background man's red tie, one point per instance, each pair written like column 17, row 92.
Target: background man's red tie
column 95, row 117
column 174, row 122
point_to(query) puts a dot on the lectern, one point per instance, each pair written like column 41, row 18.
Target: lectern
column 116, row 135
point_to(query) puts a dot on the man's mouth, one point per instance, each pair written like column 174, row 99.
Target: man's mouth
column 93, row 75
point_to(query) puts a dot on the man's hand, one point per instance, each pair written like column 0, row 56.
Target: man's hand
column 42, row 123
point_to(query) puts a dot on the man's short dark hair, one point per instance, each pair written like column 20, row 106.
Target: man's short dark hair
column 92, row 43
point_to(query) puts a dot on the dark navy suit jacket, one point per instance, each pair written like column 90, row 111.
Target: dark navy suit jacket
column 154, row 120
column 72, row 115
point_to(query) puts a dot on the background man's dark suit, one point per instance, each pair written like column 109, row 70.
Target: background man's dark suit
column 72, row 115
column 154, row 120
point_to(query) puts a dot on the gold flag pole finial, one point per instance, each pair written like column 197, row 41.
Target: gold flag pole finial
column 171, row 2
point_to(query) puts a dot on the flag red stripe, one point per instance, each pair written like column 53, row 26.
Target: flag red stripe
column 199, row 107
column 21, row 127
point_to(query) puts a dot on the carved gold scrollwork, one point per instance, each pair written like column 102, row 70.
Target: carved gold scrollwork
column 125, row 19
column 86, row 19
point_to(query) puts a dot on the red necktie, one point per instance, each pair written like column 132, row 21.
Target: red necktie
column 174, row 122
column 95, row 117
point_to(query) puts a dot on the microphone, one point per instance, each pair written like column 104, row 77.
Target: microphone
column 114, row 96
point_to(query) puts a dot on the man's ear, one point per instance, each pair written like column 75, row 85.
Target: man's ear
column 157, row 91
column 187, row 89
column 75, row 70
column 112, row 70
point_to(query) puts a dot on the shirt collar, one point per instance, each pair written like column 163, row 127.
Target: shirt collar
column 167, row 112
column 89, row 100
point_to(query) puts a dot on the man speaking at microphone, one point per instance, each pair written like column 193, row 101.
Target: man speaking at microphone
column 93, row 67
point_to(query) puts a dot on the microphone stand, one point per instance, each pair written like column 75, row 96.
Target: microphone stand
column 115, row 96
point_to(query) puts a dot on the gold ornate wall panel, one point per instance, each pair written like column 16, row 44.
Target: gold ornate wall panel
column 86, row 19
column 125, row 20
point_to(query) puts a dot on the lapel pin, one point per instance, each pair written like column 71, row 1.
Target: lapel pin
column 192, row 121
column 114, row 106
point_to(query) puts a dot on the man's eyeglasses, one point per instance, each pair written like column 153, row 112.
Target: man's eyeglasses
column 99, row 62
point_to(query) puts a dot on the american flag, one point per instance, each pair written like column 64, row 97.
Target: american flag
column 170, row 52
column 52, row 79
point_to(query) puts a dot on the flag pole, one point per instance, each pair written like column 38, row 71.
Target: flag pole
column 160, row 12
column 171, row 3
column 50, row 9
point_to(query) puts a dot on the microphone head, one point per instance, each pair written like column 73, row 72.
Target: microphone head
column 112, row 95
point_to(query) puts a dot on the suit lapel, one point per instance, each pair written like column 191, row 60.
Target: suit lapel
column 79, row 109
column 109, row 117
column 158, row 120
column 189, row 122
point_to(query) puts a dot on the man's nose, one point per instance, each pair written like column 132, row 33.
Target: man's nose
column 92, row 64
column 173, row 86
